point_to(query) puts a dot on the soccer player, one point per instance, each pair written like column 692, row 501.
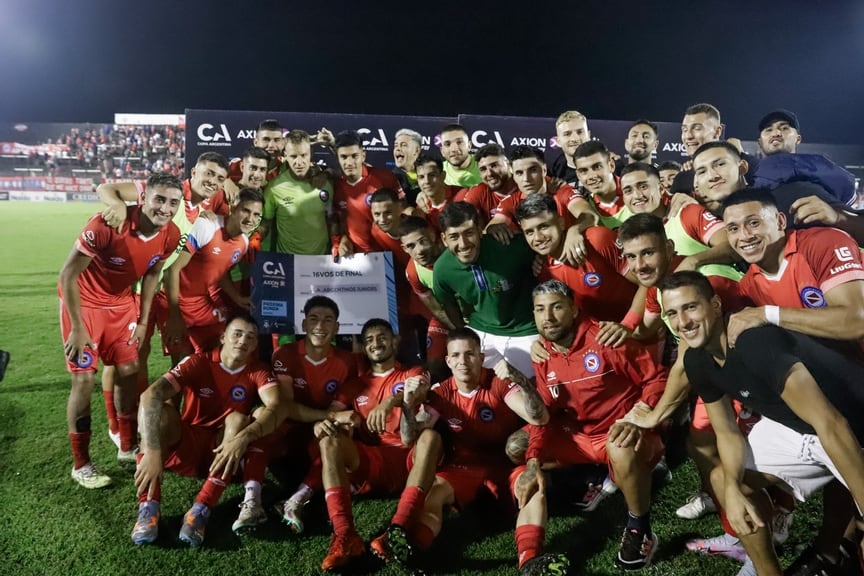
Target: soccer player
column 250, row 170
column 571, row 129
column 478, row 409
column 460, row 166
column 270, row 137
column 190, row 318
column 220, row 388
column 352, row 192
column 297, row 211
column 407, row 146
column 374, row 461
column 668, row 170
column 596, row 171
column 588, row 388
column 497, row 182
column 642, row 141
column 435, row 194
column 318, row 384
column 489, row 283
column 99, row 316
column 810, row 399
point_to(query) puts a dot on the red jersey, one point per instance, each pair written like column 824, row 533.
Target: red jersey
column 480, row 421
column 406, row 302
column 591, row 386
column 699, row 223
column 322, row 384
column 353, row 200
column 486, row 200
column 452, row 194
column 608, row 208
column 507, row 207
column 120, row 258
column 374, row 389
column 598, row 289
column 815, row 260
column 216, row 203
column 417, row 285
column 235, row 170
column 213, row 254
column 211, row 391
column 728, row 290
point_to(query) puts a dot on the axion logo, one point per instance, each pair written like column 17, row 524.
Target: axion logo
column 380, row 140
column 673, row 147
column 528, row 141
column 553, row 142
column 273, row 268
column 246, row 134
column 209, row 133
column 480, row 138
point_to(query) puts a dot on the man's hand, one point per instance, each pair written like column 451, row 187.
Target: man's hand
column 678, row 201
column 139, row 335
column 641, row 415
column 813, row 210
column 501, row 232
column 346, row 418
column 505, row 371
column 538, row 351
column 324, row 136
column 114, row 214
column 740, row 511
column 346, row 247
column 575, row 250
column 555, row 184
column 75, row 344
column 612, row 334
column 742, row 320
column 688, row 263
column 625, row 434
column 529, row 483
column 148, row 472
column 377, row 419
column 415, row 390
column 175, row 330
column 228, row 456
column 325, row 428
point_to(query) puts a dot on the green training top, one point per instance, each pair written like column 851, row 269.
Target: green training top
column 464, row 177
column 299, row 210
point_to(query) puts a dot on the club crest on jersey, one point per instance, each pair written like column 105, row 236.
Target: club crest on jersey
column 592, row 279
column 85, row 360
column 428, row 342
column 397, row 387
column 331, row 386
column 368, row 199
column 238, row 393
column 592, row 362
column 299, row 383
column 455, row 424
column 235, row 256
column 486, row 414
column 812, row 297
column 323, row 195
column 153, row 261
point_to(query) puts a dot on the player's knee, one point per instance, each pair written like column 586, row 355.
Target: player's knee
column 128, row 369
column 428, row 443
column 517, row 446
column 329, row 445
column 82, row 383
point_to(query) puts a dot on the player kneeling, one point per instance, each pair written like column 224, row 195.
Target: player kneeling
column 215, row 432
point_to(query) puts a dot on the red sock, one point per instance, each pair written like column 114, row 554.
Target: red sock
column 80, row 448
column 529, row 542
column 157, row 491
column 211, row 491
column 339, row 508
column 727, row 527
column 255, row 463
column 420, row 535
column 111, row 410
column 128, row 426
column 410, row 503
column 313, row 477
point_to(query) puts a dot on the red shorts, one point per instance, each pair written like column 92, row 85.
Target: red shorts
column 436, row 340
column 383, row 469
column 467, row 481
column 193, row 455
column 204, row 318
column 701, row 422
column 295, row 440
column 109, row 329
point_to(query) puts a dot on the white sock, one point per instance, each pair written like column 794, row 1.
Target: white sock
column 253, row 491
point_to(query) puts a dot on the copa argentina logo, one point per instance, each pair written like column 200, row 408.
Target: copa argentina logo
column 213, row 135
column 273, row 268
column 378, row 141
column 480, row 138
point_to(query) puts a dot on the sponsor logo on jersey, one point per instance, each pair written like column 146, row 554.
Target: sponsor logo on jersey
column 331, row 386
column 551, row 376
column 592, row 362
column 843, row 254
column 117, row 260
column 300, row 383
column 362, row 400
column 235, row 256
column 206, row 392
column 812, row 297
column 89, row 237
column 592, row 279
column 153, row 261
column 323, row 195
column 455, row 424
column 238, row 393
column 744, row 393
column 486, row 414
column 217, row 250
column 397, row 387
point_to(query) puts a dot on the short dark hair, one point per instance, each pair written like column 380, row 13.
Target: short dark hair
column 717, row 144
column 687, row 278
column 425, row 158
column 214, row 157
column 590, row 148
column 256, row 152
column 464, row 333
column 297, row 136
column 761, row 195
column 164, row 179
column 456, row 214
column 640, row 167
column 491, row 149
column 384, row 195
column 410, row 224
column 375, row 323
column 270, row 124
column 644, row 122
column 703, row 108
column 346, row 139
column 250, row 195
column 454, row 128
column 669, row 165
column 321, row 302
column 523, row 152
column 244, row 317
column 535, row 205
column 640, row 225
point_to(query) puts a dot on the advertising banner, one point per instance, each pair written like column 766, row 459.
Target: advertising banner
column 36, row 196
column 82, row 197
column 4, row 195
column 362, row 285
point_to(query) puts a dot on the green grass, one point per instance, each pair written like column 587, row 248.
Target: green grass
column 51, row 526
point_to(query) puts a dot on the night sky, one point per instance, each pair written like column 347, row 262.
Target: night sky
column 83, row 60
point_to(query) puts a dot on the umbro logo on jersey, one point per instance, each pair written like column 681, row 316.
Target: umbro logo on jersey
column 206, row 392
column 551, row 376
column 362, row 400
column 744, row 393
column 455, row 424
column 117, row 260
column 217, row 250
column 299, row 383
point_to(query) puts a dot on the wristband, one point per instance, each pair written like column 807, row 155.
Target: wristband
column 772, row 315
column 631, row 320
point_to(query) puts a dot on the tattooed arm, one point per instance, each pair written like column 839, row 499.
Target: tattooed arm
column 527, row 404
column 150, row 415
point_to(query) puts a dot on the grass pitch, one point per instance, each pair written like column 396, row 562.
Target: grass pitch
column 51, row 526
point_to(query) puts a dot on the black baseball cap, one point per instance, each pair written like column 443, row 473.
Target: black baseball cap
column 779, row 114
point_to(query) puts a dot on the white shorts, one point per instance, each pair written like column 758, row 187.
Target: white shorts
column 797, row 459
column 515, row 349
